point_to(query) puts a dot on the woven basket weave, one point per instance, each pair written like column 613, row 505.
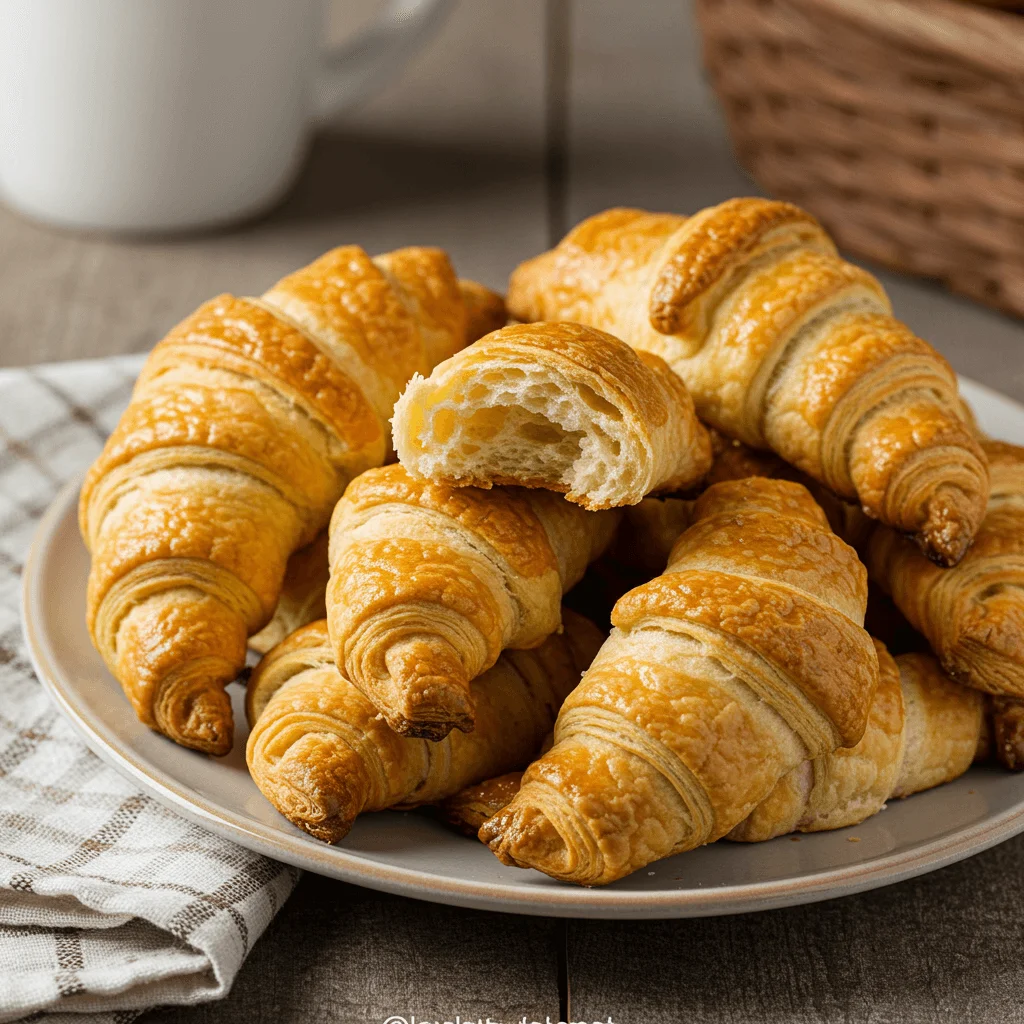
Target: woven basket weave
column 900, row 124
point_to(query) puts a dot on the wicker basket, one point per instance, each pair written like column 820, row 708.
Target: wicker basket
column 899, row 123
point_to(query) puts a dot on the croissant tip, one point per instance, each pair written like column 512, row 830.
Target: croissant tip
column 207, row 723
column 945, row 546
column 434, row 690
column 316, row 784
column 523, row 836
column 414, row 728
column 492, row 833
column 949, row 528
column 330, row 831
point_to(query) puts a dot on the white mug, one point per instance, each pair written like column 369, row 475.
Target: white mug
column 166, row 115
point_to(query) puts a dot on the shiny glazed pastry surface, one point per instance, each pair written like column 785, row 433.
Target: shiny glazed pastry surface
column 783, row 345
column 429, row 583
column 743, row 659
column 321, row 754
column 246, row 424
column 554, row 405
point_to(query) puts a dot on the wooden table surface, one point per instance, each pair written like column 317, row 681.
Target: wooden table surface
column 518, row 120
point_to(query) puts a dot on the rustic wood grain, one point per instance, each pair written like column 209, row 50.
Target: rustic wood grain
column 451, row 154
column 944, row 947
column 338, row 953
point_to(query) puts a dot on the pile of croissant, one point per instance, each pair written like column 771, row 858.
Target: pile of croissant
column 710, row 430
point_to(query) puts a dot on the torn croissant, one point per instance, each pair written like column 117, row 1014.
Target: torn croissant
column 744, row 659
column 429, row 583
column 246, row 424
column 321, row 754
column 554, row 405
column 783, row 345
column 924, row 730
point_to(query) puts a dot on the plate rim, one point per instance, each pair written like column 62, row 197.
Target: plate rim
column 555, row 901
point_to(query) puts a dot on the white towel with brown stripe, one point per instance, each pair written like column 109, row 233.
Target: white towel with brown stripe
column 109, row 903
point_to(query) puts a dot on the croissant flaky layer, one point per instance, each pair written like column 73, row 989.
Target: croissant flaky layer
column 744, row 659
column 924, row 730
column 429, row 583
column 783, row 345
column 973, row 614
column 554, row 405
column 321, row 753
column 246, row 424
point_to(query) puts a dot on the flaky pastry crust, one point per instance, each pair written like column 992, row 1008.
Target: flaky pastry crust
column 745, row 658
column 554, row 405
column 924, row 730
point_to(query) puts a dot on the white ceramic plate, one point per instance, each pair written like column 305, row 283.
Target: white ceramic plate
column 412, row 854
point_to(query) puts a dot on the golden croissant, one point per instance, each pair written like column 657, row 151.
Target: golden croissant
column 554, row 405
column 973, row 614
column 924, row 730
column 783, row 345
column 246, row 424
column 429, row 583
column 321, row 754
column 744, row 659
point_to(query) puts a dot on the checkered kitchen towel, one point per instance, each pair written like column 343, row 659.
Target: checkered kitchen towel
column 108, row 902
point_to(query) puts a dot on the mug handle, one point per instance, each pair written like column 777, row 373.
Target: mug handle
column 353, row 71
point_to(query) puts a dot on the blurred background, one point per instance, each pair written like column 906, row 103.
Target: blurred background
column 901, row 124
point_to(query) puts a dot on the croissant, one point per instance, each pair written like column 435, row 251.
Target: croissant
column 246, row 424
column 429, row 583
column 924, row 730
column 321, row 754
column 303, row 595
column 554, row 405
column 973, row 614
column 745, row 658
column 783, row 345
